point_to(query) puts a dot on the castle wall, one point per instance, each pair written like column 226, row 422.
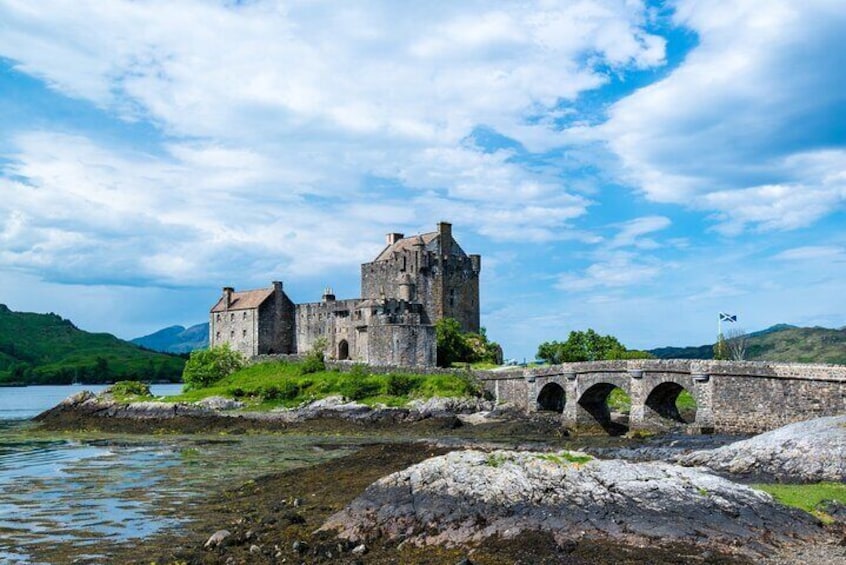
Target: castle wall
column 460, row 296
column 238, row 328
column 408, row 345
column 331, row 320
column 276, row 324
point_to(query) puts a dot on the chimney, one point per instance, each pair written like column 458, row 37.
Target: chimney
column 328, row 295
column 227, row 296
column 445, row 233
column 392, row 238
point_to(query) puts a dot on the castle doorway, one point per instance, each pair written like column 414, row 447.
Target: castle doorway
column 343, row 350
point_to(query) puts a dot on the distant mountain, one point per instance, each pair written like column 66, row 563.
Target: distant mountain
column 782, row 343
column 176, row 339
column 48, row 349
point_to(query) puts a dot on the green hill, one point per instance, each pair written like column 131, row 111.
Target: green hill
column 47, row 349
column 781, row 342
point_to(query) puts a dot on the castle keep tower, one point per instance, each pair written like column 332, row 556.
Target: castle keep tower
column 414, row 282
column 430, row 269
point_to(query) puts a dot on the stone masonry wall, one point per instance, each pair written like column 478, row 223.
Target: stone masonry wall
column 239, row 328
column 731, row 396
column 401, row 344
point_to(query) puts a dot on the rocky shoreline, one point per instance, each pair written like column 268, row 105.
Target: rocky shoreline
column 441, row 502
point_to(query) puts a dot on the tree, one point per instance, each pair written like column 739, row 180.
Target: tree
column 451, row 347
column 736, row 343
column 586, row 346
column 207, row 366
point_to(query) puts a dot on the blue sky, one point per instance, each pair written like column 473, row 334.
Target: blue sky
column 634, row 167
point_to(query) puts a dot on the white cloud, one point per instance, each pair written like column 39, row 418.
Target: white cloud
column 630, row 232
column 743, row 126
column 813, row 253
column 90, row 213
column 275, row 119
column 619, row 271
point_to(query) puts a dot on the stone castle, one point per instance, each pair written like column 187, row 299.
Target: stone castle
column 414, row 282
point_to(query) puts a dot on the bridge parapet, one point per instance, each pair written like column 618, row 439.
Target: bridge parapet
column 731, row 396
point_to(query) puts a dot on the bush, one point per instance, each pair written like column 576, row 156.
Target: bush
column 358, row 384
column 129, row 388
column 401, row 385
column 206, row 367
column 314, row 361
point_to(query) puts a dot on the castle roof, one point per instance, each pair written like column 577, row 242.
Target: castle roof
column 406, row 244
column 244, row 300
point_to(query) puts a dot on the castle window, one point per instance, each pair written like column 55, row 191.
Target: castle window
column 217, row 318
column 245, row 315
column 217, row 335
column 231, row 317
column 232, row 334
column 244, row 333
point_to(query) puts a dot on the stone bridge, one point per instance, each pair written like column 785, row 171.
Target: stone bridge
column 731, row 396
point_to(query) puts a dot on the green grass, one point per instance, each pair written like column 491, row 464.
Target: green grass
column 808, row 497
column 565, row 457
column 685, row 401
column 496, row 460
column 619, row 401
column 48, row 349
column 264, row 386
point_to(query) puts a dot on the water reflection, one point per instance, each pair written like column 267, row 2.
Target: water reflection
column 76, row 493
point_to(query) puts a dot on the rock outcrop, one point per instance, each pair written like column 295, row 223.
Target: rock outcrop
column 465, row 497
column 814, row 450
column 87, row 404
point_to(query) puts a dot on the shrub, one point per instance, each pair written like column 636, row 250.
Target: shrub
column 401, row 385
column 356, row 385
column 206, row 367
column 289, row 390
column 129, row 388
column 314, row 362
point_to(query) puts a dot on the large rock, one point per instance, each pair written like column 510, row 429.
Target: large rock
column 87, row 404
column 814, row 450
column 440, row 407
column 468, row 496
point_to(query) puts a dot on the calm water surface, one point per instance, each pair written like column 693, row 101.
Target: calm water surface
column 73, row 492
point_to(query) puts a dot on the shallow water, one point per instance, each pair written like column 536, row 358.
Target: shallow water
column 66, row 495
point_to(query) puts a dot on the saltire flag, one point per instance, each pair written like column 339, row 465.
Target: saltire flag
column 727, row 317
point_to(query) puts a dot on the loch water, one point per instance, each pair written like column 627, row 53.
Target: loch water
column 63, row 497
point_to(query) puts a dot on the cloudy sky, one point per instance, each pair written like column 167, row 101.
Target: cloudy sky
column 634, row 167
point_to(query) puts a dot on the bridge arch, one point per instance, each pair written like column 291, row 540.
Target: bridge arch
column 552, row 398
column 593, row 408
column 662, row 404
